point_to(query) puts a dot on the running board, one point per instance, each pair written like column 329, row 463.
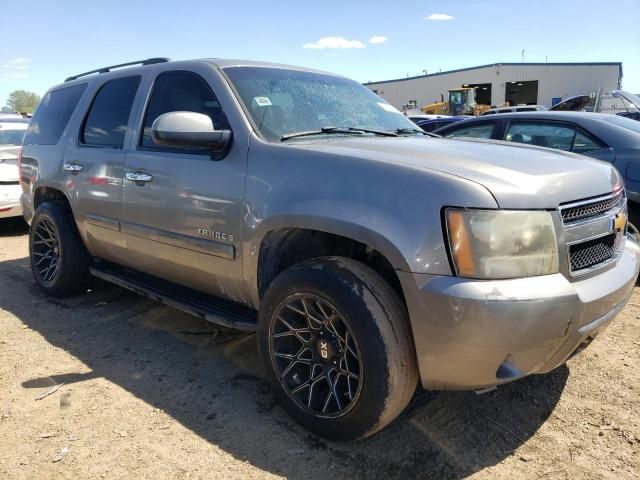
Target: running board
column 220, row 312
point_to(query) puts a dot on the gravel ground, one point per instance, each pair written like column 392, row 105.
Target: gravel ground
column 149, row 392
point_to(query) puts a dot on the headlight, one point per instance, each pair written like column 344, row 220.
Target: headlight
column 492, row 244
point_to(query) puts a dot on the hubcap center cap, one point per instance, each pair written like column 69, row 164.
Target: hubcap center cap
column 326, row 348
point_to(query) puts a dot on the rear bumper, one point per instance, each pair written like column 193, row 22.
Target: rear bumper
column 10, row 211
column 10, row 201
column 472, row 334
column 27, row 207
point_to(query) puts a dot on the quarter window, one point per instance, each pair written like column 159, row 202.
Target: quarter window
column 52, row 115
column 584, row 144
column 549, row 135
column 108, row 117
column 484, row 130
column 180, row 91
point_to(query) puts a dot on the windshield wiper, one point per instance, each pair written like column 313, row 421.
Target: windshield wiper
column 334, row 130
column 402, row 131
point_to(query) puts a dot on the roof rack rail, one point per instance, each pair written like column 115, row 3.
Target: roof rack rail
column 148, row 61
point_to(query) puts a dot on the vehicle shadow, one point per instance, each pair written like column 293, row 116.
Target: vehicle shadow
column 13, row 227
column 211, row 382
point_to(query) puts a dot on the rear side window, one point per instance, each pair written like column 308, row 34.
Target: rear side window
column 551, row 135
column 52, row 115
column 483, row 130
column 108, row 117
column 584, row 144
column 180, row 91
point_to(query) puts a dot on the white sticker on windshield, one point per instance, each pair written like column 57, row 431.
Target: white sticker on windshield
column 389, row 108
column 263, row 101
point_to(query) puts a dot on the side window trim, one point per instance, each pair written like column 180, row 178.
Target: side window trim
column 593, row 138
column 500, row 128
column 85, row 115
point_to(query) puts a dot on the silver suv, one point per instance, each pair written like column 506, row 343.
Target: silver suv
column 366, row 254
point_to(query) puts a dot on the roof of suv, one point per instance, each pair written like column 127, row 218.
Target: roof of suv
column 133, row 67
column 227, row 63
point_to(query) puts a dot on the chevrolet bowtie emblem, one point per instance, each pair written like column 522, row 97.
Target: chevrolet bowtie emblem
column 620, row 221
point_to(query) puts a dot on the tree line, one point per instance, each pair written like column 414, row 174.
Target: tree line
column 21, row 101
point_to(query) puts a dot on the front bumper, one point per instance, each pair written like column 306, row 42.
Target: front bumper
column 472, row 334
column 10, row 201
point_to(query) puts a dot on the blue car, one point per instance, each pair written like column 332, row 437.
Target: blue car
column 611, row 138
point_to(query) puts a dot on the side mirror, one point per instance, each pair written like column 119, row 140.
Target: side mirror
column 190, row 130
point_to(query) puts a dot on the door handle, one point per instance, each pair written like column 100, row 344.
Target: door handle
column 73, row 167
column 138, row 177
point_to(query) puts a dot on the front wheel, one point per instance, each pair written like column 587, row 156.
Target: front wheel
column 336, row 343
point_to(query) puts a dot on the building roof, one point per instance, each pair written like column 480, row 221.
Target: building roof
column 506, row 64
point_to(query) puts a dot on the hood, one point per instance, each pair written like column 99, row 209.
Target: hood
column 572, row 104
column 518, row 176
column 580, row 103
column 632, row 102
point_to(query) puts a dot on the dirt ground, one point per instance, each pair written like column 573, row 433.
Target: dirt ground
column 149, row 392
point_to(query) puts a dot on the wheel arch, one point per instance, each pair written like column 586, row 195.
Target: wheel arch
column 283, row 244
column 46, row 193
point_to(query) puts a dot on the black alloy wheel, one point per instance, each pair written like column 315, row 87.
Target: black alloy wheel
column 315, row 355
column 45, row 250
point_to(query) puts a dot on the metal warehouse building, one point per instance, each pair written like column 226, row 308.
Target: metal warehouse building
column 517, row 83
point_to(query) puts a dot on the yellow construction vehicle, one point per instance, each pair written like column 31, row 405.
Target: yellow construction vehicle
column 462, row 101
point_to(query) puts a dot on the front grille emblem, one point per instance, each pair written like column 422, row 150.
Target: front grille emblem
column 620, row 222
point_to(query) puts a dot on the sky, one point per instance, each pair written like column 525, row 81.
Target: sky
column 44, row 42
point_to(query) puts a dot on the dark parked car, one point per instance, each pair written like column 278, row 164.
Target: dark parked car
column 431, row 124
column 611, row 138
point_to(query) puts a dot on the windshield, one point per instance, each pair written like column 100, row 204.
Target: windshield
column 456, row 98
column 282, row 102
column 623, row 122
column 11, row 137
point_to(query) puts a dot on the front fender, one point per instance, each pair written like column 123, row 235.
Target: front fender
column 316, row 221
column 390, row 207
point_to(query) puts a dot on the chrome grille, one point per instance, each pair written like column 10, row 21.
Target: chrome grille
column 594, row 252
column 584, row 210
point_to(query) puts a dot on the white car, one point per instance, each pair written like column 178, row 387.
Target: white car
column 516, row 108
column 12, row 131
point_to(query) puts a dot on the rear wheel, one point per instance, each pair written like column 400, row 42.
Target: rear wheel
column 59, row 260
column 336, row 343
